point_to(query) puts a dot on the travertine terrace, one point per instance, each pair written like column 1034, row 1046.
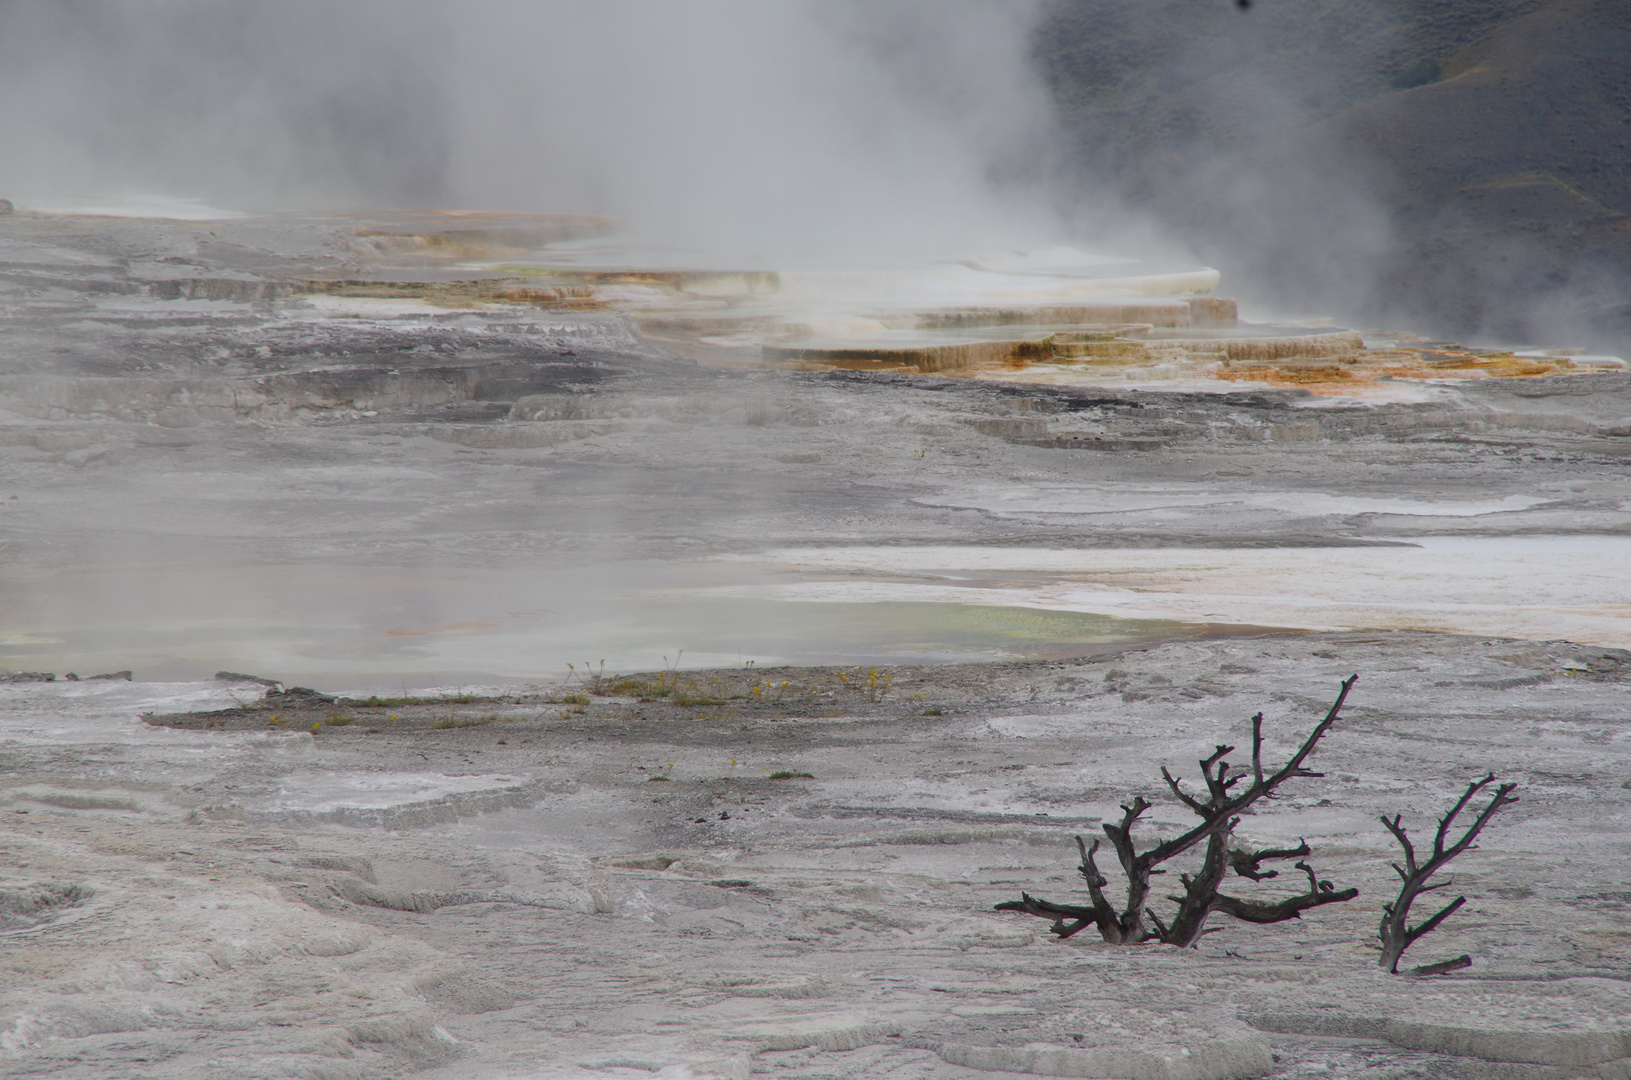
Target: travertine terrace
column 1082, row 316
column 957, row 559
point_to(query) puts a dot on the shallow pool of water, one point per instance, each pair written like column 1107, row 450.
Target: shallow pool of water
column 341, row 627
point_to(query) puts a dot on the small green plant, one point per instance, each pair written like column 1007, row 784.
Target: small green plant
column 574, row 699
column 633, row 688
column 665, row 685
column 336, row 719
column 784, row 774
column 444, row 724
column 875, row 685
column 769, row 691
column 591, row 676
column 654, row 779
column 373, row 731
column 933, row 712
column 376, row 702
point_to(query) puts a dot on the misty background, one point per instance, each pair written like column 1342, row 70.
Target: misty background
column 1451, row 166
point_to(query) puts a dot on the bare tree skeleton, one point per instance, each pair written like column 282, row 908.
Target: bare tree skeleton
column 1219, row 809
column 1396, row 933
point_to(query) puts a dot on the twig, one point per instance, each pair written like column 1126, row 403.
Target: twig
column 1248, row 863
column 1442, row 966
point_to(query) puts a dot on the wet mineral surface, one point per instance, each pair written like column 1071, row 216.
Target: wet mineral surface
column 779, row 849
column 793, row 871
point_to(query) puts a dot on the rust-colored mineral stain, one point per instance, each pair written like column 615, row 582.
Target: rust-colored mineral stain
column 1443, row 362
column 937, row 358
column 571, row 297
column 740, row 319
column 450, row 628
column 457, row 292
column 1312, row 374
column 443, row 236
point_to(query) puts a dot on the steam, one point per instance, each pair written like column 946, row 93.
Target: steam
column 1195, row 117
column 854, row 132
column 244, row 105
column 1327, row 159
column 786, row 126
column 802, row 127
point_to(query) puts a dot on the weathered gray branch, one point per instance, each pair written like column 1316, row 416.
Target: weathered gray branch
column 1319, row 893
column 1396, row 932
column 1248, row 863
column 1080, row 917
column 1227, row 796
column 1442, row 966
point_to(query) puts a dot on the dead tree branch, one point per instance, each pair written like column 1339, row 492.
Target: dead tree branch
column 1257, row 911
column 1396, row 933
column 1227, row 795
column 1248, row 864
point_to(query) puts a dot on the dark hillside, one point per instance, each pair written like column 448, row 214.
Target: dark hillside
column 1464, row 167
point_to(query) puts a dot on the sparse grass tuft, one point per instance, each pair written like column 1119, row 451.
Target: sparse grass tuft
column 374, row 701
column 933, row 712
column 642, row 691
column 337, row 719
column 750, row 686
column 667, row 685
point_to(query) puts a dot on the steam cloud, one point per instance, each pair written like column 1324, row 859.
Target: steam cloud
column 798, row 126
column 795, row 131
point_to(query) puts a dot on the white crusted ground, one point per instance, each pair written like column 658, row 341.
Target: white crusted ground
column 386, row 494
column 548, row 910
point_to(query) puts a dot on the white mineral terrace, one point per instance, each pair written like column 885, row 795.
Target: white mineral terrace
column 1545, row 587
column 479, row 471
column 1050, row 313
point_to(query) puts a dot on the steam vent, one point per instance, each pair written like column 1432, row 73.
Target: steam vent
column 1057, row 315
